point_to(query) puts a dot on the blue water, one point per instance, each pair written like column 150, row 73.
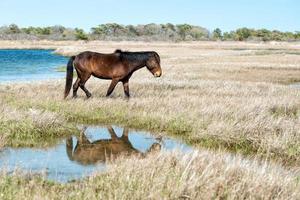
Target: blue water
column 56, row 165
column 32, row 64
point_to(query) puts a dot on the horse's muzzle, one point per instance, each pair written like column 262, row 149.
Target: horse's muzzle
column 157, row 74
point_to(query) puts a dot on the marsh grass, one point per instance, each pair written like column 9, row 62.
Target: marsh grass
column 166, row 175
column 28, row 134
column 285, row 111
column 2, row 141
column 61, row 69
column 32, row 127
column 209, row 96
column 264, row 52
column 239, row 117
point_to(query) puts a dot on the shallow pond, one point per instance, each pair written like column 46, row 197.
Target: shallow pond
column 29, row 64
column 295, row 85
column 77, row 157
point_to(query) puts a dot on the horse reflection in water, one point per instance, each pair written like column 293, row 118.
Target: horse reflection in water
column 103, row 150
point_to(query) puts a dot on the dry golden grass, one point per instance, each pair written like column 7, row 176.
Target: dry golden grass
column 196, row 175
column 2, row 141
column 216, row 96
column 239, row 61
column 233, row 96
column 233, row 45
column 31, row 127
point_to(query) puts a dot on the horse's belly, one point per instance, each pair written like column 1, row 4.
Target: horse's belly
column 102, row 72
column 109, row 72
column 102, row 76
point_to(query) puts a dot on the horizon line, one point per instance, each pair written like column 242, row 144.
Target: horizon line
column 123, row 24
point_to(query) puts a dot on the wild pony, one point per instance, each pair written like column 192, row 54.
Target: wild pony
column 118, row 67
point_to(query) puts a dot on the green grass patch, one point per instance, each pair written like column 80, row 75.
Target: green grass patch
column 241, row 145
column 61, row 69
column 28, row 134
column 64, row 69
column 246, row 147
column 284, row 111
column 180, row 126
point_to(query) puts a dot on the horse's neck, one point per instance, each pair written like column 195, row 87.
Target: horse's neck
column 137, row 65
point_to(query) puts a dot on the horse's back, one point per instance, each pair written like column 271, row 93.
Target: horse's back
column 89, row 56
column 98, row 64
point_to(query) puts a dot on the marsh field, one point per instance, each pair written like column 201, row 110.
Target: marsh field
column 236, row 103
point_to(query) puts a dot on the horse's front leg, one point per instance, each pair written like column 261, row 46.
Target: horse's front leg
column 112, row 133
column 112, row 86
column 126, row 87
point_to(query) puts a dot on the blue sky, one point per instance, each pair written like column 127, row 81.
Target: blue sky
column 283, row 15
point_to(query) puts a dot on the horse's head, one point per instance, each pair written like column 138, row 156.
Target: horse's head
column 153, row 64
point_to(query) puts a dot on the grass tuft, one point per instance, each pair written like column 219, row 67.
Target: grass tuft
column 195, row 175
column 285, row 111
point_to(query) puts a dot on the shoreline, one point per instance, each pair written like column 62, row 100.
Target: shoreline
column 48, row 44
column 70, row 48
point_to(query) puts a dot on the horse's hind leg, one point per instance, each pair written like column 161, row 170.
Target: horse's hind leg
column 75, row 88
column 82, row 85
column 87, row 93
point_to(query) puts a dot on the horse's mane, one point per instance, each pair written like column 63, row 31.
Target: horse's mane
column 133, row 56
column 118, row 51
column 137, row 56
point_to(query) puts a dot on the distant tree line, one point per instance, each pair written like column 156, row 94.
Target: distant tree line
column 148, row 32
column 110, row 31
column 246, row 34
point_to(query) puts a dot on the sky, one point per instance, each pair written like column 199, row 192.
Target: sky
column 283, row 15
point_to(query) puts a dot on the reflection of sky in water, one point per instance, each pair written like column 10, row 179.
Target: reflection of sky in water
column 26, row 65
column 55, row 162
column 295, row 85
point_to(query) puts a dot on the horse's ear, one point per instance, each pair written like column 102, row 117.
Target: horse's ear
column 157, row 57
column 118, row 51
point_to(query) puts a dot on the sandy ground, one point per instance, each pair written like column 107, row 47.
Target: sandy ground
column 44, row 44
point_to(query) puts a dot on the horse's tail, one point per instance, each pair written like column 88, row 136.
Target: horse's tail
column 69, row 76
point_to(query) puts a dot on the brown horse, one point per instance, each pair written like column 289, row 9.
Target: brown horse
column 86, row 152
column 118, row 67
